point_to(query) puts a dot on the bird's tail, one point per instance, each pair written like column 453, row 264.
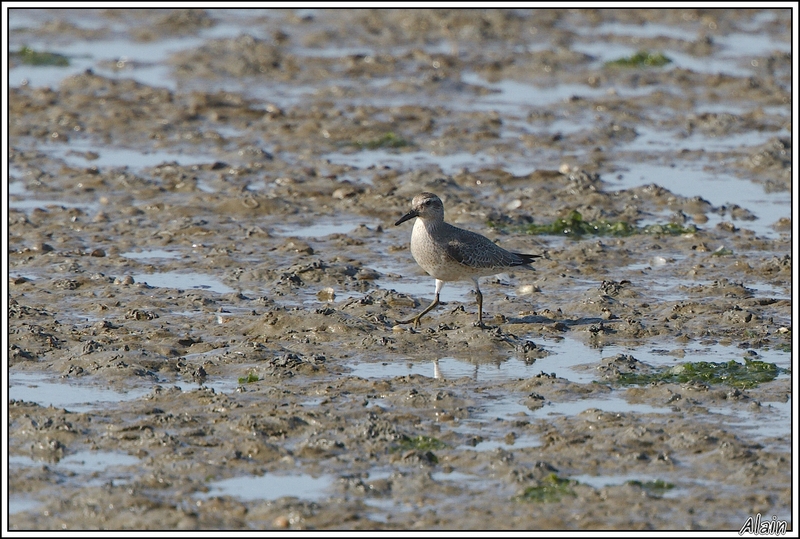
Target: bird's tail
column 527, row 259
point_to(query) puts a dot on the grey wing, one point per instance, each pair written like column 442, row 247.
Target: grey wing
column 477, row 251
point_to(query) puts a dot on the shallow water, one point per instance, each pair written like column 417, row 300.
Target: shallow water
column 74, row 396
column 270, row 487
column 717, row 189
column 151, row 253
column 83, row 469
column 182, row 281
column 493, row 105
column 319, row 230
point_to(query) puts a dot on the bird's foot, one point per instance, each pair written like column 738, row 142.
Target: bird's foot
column 414, row 321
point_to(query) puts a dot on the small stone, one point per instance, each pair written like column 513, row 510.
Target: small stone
column 326, row 294
column 344, row 192
column 367, row 275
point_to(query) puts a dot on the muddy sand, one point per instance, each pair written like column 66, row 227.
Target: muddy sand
column 205, row 278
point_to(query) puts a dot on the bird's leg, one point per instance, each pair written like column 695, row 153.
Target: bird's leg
column 433, row 304
column 480, row 303
column 480, row 308
column 415, row 320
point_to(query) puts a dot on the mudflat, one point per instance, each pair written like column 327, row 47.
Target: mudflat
column 205, row 280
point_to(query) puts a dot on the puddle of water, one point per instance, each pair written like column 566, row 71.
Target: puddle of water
column 152, row 253
column 145, row 62
column 183, row 281
column 319, row 229
column 332, row 52
column 520, row 442
column 571, row 359
column 514, row 97
column 75, row 153
column 668, row 288
column 455, row 476
column 96, row 461
column 605, row 404
column 652, row 139
column 600, row 481
column 768, row 290
column 646, row 30
column 565, row 355
column 771, row 420
column 309, row 297
column 258, row 185
column 30, row 204
column 735, row 47
column 34, row 387
column 28, row 276
column 17, row 188
column 752, row 45
column 83, row 462
column 447, row 368
column 604, row 51
column 21, row 504
column 220, row 386
column 270, row 487
column 511, row 407
column 718, row 190
column 92, row 468
column 205, row 187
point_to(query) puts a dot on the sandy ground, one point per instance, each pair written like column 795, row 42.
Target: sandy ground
column 263, row 255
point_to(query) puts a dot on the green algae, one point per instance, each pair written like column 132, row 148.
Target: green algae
column 574, row 225
column 732, row 373
column 28, row 56
column 641, row 59
column 551, row 489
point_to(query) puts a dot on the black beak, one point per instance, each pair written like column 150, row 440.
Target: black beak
column 406, row 217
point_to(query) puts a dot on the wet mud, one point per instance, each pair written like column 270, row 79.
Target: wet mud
column 205, row 280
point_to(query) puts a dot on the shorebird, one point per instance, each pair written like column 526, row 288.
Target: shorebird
column 448, row 253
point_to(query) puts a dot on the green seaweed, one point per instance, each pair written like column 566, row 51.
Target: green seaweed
column 575, row 226
column 722, row 251
column 786, row 345
column 641, row 59
column 656, row 487
column 731, row 373
column 552, row 489
column 387, row 140
column 249, row 379
column 29, row 56
column 420, row 443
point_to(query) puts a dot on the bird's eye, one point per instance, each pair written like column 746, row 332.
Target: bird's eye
column 428, row 202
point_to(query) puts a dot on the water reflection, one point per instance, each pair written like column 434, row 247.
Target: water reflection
column 448, row 368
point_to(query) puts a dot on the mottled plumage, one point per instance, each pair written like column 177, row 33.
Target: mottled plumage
column 449, row 253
